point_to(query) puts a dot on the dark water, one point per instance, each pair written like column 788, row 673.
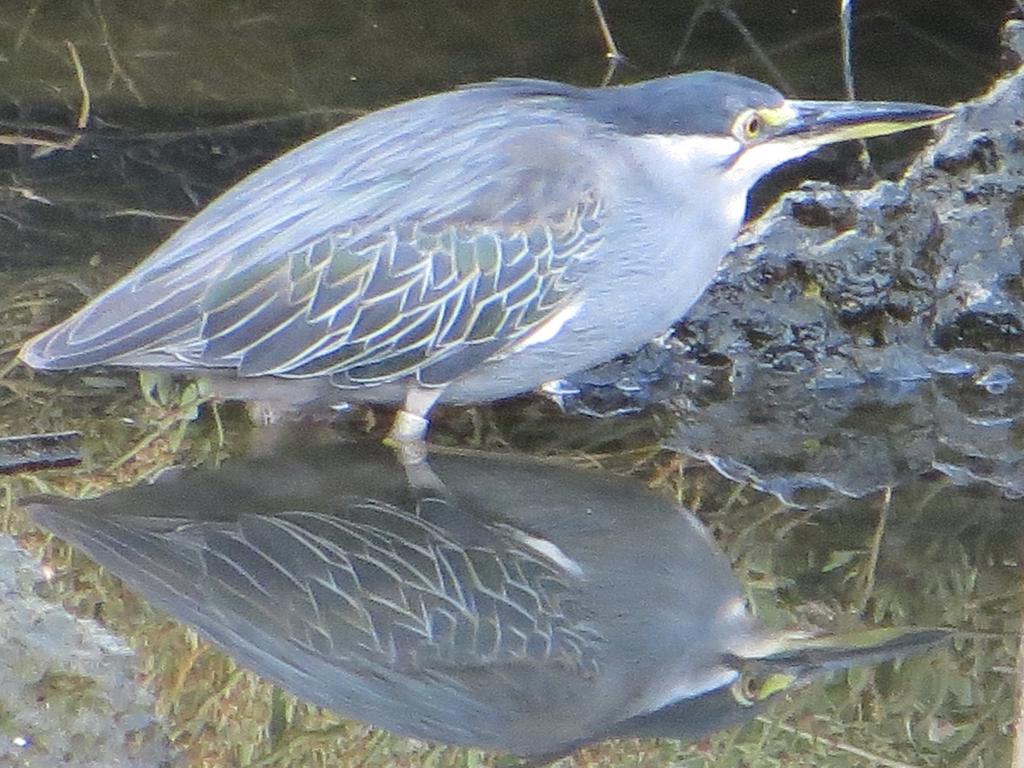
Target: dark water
column 186, row 97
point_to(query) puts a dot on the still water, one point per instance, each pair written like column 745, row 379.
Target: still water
column 183, row 100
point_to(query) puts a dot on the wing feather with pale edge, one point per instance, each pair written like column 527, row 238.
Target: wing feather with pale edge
column 356, row 258
column 417, row 300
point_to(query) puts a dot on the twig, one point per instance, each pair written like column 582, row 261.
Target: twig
column 611, row 50
column 46, row 147
column 733, row 18
column 86, row 104
column 117, row 72
column 845, row 35
column 842, row 746
column 27, row 453
column 845, row 30
column 876, row 547
column 23, row 30
column 144, row 214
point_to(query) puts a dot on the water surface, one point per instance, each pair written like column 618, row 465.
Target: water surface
column 187, row 97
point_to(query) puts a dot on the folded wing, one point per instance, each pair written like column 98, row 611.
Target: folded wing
column 413, row 243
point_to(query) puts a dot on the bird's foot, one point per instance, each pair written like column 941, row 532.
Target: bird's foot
column 408, row 437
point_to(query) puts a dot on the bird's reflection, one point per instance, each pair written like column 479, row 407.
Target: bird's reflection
column 512, row 604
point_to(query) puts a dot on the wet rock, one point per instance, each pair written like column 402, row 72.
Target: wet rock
column 1013, row 43
column 815, row 442
column 68, row 691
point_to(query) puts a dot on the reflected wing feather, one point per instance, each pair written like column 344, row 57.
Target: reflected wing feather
column 387, row 585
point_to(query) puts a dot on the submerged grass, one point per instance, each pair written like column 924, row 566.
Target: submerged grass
column 917, row 558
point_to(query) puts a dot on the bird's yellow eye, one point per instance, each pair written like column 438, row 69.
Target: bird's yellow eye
column 749, row 126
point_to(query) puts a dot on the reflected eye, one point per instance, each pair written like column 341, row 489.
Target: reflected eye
column 751, row 688
column 745, row 689
column 749, row 126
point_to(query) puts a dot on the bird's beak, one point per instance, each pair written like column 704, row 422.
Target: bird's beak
column 826, row 122
column 791, row 659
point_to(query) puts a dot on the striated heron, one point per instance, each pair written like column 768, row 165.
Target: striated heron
column 462, row 247
column 527, row 608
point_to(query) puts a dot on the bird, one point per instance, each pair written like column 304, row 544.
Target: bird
column 462, row 247
column 529, row 607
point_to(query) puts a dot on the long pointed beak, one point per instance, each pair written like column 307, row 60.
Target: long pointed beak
column 825, row 122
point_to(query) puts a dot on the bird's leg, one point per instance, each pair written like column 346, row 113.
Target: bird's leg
column 407, row 437
column 408, row 433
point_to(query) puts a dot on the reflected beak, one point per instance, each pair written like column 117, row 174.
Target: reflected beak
column 790, row 660
column 826, row 122
column 825, row 653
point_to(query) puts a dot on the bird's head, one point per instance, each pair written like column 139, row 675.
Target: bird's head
column 729, row 130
